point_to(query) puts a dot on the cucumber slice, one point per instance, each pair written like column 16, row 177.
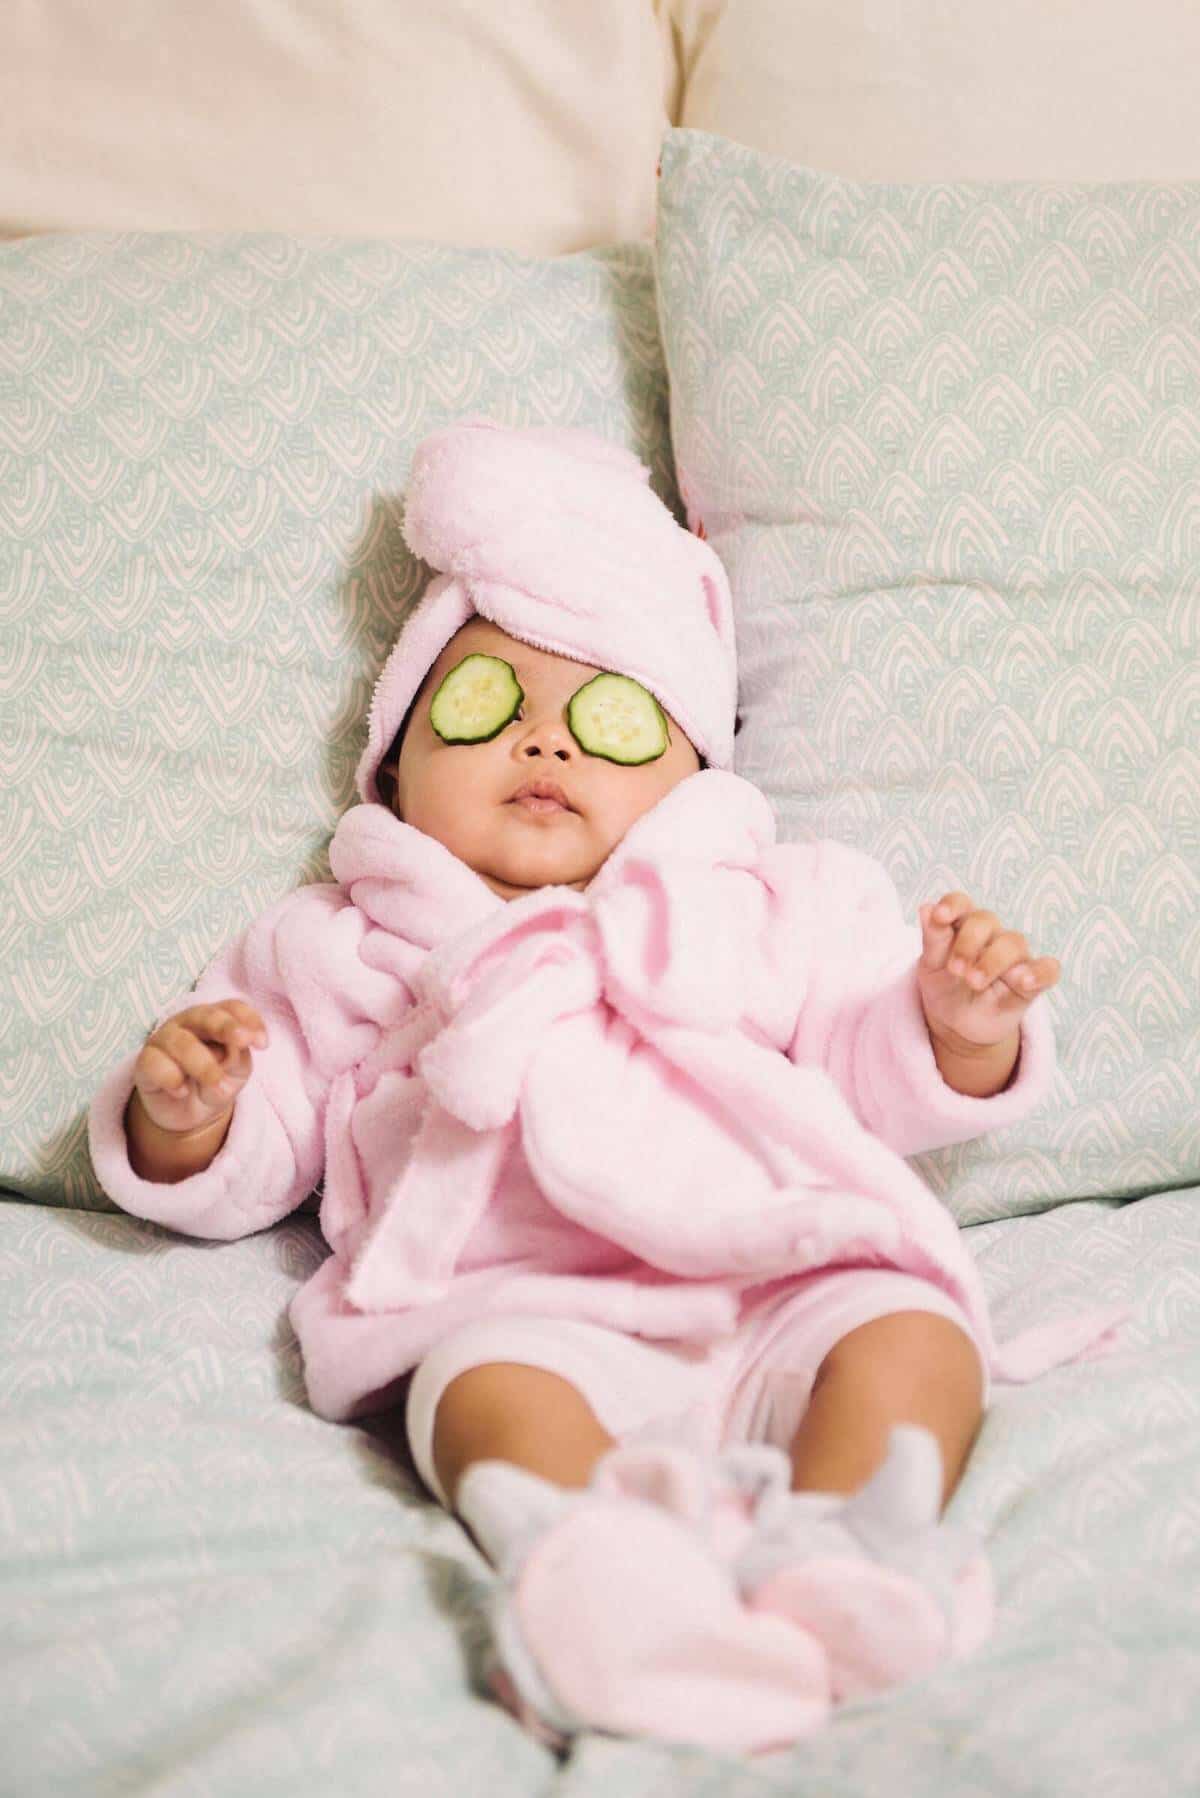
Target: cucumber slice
column 614, row 717
column 478, row 697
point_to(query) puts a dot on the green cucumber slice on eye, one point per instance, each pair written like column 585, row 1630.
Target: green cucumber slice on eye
column 476, row 700
column 614, row 717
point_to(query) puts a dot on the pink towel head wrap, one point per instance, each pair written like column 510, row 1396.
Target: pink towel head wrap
column 557, row 537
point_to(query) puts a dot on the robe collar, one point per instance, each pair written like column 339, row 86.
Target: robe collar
column 409, row 883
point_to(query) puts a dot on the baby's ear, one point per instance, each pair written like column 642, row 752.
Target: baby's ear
column 385, row 781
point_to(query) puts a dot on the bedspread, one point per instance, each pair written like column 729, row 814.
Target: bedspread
column 207, row 1590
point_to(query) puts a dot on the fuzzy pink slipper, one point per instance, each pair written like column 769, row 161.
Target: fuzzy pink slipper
column 613, row 1612
column 888, row 1589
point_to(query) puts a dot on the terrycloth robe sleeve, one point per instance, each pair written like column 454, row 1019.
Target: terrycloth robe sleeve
column 862, row 1020
column 299, row 965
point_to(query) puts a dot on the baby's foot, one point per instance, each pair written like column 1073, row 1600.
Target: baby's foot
column 884, row 1585
column 612, row 1612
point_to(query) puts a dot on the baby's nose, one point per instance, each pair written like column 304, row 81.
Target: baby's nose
column 558, row 749
column 548, row 736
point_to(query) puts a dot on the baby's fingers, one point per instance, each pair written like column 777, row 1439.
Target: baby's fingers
column 246, row 1024
column 232, row 1022
column 1033, row 975
column 187, row 1043
column 156, row 1071
column 938, row 933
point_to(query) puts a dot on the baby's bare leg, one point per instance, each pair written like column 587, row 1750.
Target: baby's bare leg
column 910, row 1367
column 508, row 1411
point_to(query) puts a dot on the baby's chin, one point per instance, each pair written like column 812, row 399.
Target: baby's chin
column 514, row 874
column 509, row 886
column 553, row 854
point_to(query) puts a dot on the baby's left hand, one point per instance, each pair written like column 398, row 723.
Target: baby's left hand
column 975, row 978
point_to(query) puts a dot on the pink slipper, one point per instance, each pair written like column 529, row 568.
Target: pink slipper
column 888, row 1589
column 613, row 1612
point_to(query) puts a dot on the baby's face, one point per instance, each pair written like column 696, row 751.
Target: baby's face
column 462, row 793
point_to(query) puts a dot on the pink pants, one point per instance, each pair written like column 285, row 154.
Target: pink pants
column 751, row 1386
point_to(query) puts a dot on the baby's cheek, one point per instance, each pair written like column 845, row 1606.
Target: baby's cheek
column 607, row 821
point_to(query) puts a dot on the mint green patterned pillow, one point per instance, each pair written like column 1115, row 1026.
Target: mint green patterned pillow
column 946, row 439
column 204, row 441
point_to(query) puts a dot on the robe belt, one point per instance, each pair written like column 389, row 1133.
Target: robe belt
column 485, row 1001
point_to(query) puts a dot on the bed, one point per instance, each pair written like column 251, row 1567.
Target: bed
column 693, row 227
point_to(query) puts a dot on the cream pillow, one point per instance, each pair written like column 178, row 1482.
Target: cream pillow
column 920, row 90
column 524, row 126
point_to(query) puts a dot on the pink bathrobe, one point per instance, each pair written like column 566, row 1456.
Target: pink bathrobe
column 627, row 1105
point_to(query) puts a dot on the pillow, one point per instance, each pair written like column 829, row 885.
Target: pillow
column 909, row 90
column 204, row 443
column 521, row 127
column 945, row 438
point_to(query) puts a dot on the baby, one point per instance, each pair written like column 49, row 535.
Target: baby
column 611, row 1093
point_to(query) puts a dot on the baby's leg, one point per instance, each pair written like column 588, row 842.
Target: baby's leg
column 907, row 1367
column 509, row 1411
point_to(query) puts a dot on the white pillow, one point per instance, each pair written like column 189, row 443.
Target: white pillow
column 920, row 90
column 466, row 124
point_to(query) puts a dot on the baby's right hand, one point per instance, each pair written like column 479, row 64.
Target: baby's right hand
column 191, row 1069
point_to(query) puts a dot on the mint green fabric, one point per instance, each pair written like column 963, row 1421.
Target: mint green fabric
column 204, row 442
column 207, row 1592
column 946, row 440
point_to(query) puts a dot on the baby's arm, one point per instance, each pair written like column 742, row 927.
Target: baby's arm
column 861, row 1016
column 187, row 1078
column 976, row 980
column 299, row 968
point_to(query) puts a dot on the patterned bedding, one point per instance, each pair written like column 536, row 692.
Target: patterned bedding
column 207, row 1591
